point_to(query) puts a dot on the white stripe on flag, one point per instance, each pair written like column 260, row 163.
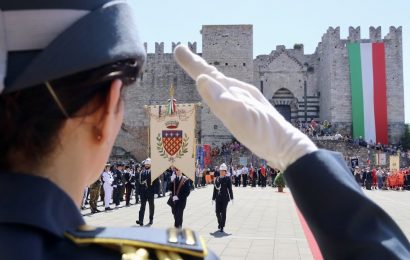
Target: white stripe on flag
column 368, row 91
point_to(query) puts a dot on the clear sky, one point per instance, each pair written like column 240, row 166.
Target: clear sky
column 275, row 22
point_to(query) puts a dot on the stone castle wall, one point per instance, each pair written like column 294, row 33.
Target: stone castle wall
column 281, row 75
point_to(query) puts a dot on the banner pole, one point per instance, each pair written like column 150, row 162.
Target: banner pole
column 148, row 110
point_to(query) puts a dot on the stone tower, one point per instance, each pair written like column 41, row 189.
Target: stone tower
column 230, row 49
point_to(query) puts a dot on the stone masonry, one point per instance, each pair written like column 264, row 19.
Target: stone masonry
column 301, row 86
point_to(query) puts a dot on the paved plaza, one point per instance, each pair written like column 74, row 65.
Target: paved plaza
column 261, row 224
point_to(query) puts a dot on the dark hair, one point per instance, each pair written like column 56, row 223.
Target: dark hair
column 31, row 119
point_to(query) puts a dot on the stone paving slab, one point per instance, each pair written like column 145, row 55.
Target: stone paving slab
column 261, row 224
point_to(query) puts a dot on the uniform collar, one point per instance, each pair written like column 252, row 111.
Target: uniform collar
column 37, row 202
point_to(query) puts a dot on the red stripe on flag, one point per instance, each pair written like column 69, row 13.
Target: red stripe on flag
column 314, row 248
column 380, row 96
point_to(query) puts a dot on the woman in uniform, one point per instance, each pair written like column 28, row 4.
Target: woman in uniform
column 222, row 195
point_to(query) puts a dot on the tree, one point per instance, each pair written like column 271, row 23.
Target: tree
column 405, row 140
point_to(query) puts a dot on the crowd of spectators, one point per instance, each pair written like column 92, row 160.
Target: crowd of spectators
column 226, row 148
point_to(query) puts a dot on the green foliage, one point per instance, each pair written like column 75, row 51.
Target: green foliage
column 298, row 46
column 279, row 180
column 405, row 140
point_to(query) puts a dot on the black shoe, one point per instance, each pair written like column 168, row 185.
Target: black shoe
column 221, row 230
column 150, row 222
column 139, row 223
column 108, row 208
column 127, row 205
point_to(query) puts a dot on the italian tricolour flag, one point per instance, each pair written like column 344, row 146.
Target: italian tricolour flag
column 368, row 87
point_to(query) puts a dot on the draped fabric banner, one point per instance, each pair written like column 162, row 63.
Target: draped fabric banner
column 200, row 156
column 368, row 87
column 379, row 159
column 394, row 163
column 207, row 155
column 172, row 138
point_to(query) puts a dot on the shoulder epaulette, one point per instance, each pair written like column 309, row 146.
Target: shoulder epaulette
column 137, row 242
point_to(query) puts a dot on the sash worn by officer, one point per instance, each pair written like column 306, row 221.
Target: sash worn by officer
column 180, row 189
column 62, row 67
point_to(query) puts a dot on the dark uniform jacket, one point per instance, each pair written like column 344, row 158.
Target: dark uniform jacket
column 129, row 178
column 34, row 222
column 183, row 192
column 119, row 179
column 42, row 222
column 222, row 189
column 344, row 221
column 146, row 187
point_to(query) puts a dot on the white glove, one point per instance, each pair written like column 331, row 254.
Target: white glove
column 173, row 176
column 232, row 202
column 213, row 202
column 241, row 107
column 175, row 198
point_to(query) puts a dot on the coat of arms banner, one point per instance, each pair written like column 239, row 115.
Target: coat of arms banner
column 172, row 138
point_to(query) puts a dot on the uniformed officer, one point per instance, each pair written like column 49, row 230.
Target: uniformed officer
column 222, row 195
column 107, row 186
column 146, row 191
column 94, row 194
column 129, row 176
column 118, row 183
column 180, row 188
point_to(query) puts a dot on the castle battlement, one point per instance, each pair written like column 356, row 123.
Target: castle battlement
column 375, row 34
column 332, row 34
column 160, row 47
column 394, row 33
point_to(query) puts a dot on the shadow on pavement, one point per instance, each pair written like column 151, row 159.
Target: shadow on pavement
column 218, row 234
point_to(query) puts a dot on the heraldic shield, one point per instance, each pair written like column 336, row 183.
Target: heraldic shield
column 172, row 141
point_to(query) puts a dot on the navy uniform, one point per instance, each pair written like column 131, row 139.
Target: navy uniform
column 366, row 222
column 146, row 191
column 129, row 176
column 64, row 38
column 180, row 189
column 117, row 184
column 222, row 195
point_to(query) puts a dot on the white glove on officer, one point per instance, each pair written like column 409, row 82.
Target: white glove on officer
column 213, row 202
column 241, row 107
column 173, row 176
column 175, row 198
column 232, row 202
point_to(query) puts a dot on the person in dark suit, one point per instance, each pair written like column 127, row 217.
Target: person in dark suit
column 117, row 184
column 222, row 195
column 146, row 191
column 344, row 221
column 129, row 177
column 180, row 188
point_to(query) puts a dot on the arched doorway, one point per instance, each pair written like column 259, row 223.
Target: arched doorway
column 285, row 111
column 286, row 104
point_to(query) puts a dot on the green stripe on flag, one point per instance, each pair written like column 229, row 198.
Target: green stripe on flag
column 357, row 89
